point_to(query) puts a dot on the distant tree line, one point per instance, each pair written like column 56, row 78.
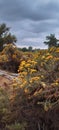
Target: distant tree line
column 25, row 49
column 6, row 38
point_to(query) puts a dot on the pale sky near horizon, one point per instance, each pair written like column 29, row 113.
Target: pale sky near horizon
column 31, row 20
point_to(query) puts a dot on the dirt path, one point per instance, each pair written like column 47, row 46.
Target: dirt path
column 6, row 78
column 8, row 74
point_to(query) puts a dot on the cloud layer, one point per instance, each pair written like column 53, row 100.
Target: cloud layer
column 31, row 20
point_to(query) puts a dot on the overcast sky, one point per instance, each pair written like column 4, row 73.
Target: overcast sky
column 31, row 20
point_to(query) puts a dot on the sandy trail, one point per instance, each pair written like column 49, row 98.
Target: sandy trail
column 6, row 78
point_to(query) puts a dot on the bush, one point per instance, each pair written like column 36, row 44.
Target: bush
column 16, row 126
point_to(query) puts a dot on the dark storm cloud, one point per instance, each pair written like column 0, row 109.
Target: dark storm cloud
column 44, row 26
column 30, row 19
column 27, row 9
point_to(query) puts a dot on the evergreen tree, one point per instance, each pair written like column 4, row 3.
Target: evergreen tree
column 5, row 36
column 51, row 41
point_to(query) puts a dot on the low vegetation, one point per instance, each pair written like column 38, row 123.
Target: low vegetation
column 30, row 100
column 35, row 90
